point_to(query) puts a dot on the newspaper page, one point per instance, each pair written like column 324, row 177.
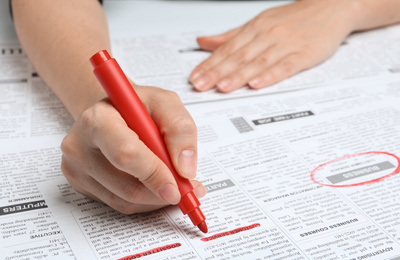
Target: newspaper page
column 167, row 60
column 311, row 174
column 28, row 108
column 32, row 124
column 269, row 216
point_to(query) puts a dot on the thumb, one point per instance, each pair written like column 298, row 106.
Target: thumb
column 210, row 43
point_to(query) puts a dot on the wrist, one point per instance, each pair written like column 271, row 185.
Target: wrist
column 84, row 99
column 361, row 9
column 353, row 13
column 344, row 15
column 371, row 14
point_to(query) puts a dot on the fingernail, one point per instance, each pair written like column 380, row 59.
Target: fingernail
column 170, row 193
column 200, row 191
column 255, row 83
column 201, row 82
column 196, row 73
column 187, row 164
column 224, row 84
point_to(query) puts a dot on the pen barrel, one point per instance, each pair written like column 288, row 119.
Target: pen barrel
column 126, row 101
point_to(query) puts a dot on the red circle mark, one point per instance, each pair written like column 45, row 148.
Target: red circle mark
column 396, row 171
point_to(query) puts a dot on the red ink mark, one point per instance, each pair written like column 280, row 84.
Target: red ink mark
column 231, row 232
column 396, row 171
column 151, row 251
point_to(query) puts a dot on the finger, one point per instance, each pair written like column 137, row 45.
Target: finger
column 285, row 68
column 74, row 178
column 126, row 207
column 210, row 43
column 229, row 73
column 198, row 189
column 178, row 130
column 124, row 185
column 255, row 58
column 98, row 192
column 95, row 191
column 115, row 202
column 199, row 77
column 126, row 152
column 120, row 190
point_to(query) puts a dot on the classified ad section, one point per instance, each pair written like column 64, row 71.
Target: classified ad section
column 28, row 109
column 312, row 177
column 311, row 220
column 28, row 229
column 32, row 124
column 323, row 167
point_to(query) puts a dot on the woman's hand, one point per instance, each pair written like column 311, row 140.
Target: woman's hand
column 275, row 45
column 106, row 161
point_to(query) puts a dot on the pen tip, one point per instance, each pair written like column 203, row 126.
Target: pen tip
column 203, row 227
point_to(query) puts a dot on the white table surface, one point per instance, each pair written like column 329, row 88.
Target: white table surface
column 135, row 17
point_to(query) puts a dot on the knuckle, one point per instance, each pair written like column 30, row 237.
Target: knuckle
column 280, row 30
column 272, row 76
column 91, row 117
column 262, row 61
column 88, row 122
column 87, row 117
column 66, row 145
column 259, row 23
column 255, row 24
column 122, row 206
column 240, row 77
column 240, row 57
column 287, row 66
column 65, row 169
column 225, row 50
column 171, row 96
column 163, row 96
column 127, row 210
column 264, row 37
column 131, row 193
column 183, row 125
column 205, row 64
column 124, row 155
column 216, row 73
column 152, row 176
column 208, row 63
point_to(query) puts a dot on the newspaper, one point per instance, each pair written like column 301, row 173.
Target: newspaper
column 266, row 158
column 32, row 122
column 300, row 175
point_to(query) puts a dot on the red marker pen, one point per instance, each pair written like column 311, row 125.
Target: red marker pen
column 126, row 101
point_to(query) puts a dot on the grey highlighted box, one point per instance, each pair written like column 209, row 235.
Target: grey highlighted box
column 360, row 172
column 27, row 206
column 280, row 118
column 241, row 125
column 219, row 185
